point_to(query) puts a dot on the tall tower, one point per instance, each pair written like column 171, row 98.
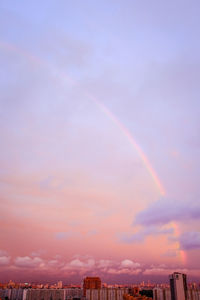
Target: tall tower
column 178, row 286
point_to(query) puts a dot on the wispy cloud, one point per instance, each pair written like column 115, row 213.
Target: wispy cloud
column 190, row 240
column 166, row 210
column 141, row 234
column 164, row 270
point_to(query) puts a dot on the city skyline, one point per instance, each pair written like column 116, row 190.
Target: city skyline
column 93, row 289
column 99, row 131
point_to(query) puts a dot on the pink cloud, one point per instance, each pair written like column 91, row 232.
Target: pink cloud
column 104, row 263
column 77, row 264
column 129, row 263
column 28, row 262
column 127, row 271
column 4, row 260
column 161, row 270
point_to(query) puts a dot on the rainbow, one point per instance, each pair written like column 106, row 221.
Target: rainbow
column 133, row 142
column 181, row 253
column 62, row 76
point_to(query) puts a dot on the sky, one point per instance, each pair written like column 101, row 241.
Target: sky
column 99, row 140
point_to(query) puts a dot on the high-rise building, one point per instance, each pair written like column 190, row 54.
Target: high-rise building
column 91, row 283
column 178, row 286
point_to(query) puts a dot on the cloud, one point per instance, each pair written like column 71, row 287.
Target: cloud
column 143, row 233
column 77, row 264
column 128, row 271
column 53, row 262
column 28, row 262
column 157, row 271
column 104, row 263
column 129, row 263
column 126, row 266
column 4, row 260
column 163, row 270
column 82, row 266
column 88, row 265
column 165, row 211
column 190, row 240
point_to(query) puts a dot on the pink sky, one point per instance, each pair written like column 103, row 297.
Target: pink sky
column 99, row 132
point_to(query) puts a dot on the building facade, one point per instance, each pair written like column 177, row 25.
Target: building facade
column 178, row 286
column 106, row 294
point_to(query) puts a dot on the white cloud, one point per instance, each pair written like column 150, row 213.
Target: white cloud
column 104, row 266
column 157, row 271
column 116, row 271
column 79, row 264
column 28, row 262
column 53, row 262
column 127, row 263
column 104, row 263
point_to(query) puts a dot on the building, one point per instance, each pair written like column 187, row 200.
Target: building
column 161, row 293
column 73, row 293
column 178, row 286
column 55, row 294
column 135, row 297
column 193, row 294
column 12, row 294
column 106, row 293
column 90, row 283
column 60, row 285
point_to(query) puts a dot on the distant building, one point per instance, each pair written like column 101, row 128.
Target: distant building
column 165, row 294
column 55, row 294
column 136, row 297
column 178, row 286
column 90, row 283
column 193, row 294
column 12, row 294
column 106, row 293
column 73, row 293
column 60, row 285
